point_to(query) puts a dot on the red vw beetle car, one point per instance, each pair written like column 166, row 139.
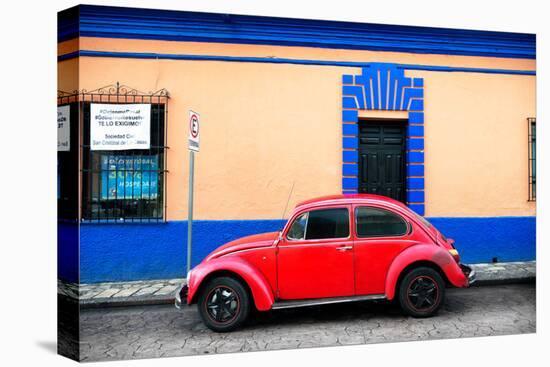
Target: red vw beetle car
column 333, row 249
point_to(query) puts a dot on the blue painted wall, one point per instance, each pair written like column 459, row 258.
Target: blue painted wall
column 481, row 239
column 67, row 251
column 120, row 252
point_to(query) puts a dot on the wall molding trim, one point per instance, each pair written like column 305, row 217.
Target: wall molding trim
column 276, row 60
column 155, row 24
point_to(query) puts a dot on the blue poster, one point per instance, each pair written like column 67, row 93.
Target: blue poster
column 129, row 177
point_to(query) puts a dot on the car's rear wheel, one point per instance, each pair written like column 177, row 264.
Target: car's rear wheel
column 224, row 304
column 421, row 292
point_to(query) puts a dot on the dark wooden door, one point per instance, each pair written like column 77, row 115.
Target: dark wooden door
column 382, row 158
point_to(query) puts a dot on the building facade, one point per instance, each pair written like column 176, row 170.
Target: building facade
column 442, row 120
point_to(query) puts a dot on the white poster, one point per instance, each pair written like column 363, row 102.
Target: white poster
column 63, row 128
column 120, row 126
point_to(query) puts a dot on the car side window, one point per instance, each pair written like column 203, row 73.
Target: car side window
column 298, row 229
column 374, row 222
column 327, row 223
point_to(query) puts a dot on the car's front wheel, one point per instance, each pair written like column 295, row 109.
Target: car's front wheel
column 421, row 292
column 224, row 304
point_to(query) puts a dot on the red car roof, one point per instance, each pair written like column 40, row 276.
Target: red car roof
column 350, row 199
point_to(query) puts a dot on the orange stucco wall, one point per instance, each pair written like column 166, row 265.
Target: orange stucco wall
column 476, row 144
column 267, row 127
column 67, row 75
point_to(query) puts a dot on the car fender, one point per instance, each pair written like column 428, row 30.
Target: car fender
column 257, row 283
column 424, row 252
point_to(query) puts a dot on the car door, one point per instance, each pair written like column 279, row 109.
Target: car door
column 315, row 256
column 380, row 235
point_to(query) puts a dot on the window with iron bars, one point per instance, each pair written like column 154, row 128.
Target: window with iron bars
column 67, row 166
column 123, row 185
column 532, row 160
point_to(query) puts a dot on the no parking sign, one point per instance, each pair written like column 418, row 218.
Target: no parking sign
column 194, row 131
column 194, row 139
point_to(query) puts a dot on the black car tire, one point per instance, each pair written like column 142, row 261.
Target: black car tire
column 421, row 292
column 224, row 304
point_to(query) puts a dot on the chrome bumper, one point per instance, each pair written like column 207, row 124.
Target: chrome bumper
column 469, row 273
column 181, row 296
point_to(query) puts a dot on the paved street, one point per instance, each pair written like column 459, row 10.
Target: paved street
column 160, row 331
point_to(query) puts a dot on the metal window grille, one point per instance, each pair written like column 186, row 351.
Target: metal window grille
column 532, row 154
column 67, row 165
column 123, row 185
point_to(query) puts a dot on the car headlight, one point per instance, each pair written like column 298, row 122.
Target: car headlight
column 188, row 277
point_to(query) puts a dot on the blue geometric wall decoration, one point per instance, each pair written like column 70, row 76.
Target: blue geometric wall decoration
column 382, row 86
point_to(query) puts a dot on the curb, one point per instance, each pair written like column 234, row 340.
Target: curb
column 489, row 282
column 126, row 302
column 166, row 300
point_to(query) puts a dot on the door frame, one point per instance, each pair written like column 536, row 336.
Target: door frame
column 380, row 121
column 382, row 90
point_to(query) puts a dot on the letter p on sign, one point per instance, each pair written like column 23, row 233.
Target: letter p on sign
column 194, row 131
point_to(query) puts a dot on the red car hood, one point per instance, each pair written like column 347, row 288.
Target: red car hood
column 244, row 243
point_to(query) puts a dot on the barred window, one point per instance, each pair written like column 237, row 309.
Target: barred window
column 67, row 161
column 124, row 185
column 532, row 160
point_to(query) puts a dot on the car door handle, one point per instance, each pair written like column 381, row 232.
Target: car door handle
column 344, row 248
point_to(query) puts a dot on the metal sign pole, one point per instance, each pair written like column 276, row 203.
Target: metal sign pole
column 190, row 211
column 194, row 139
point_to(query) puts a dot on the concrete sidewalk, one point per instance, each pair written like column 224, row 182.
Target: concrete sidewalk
column 162, row 291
